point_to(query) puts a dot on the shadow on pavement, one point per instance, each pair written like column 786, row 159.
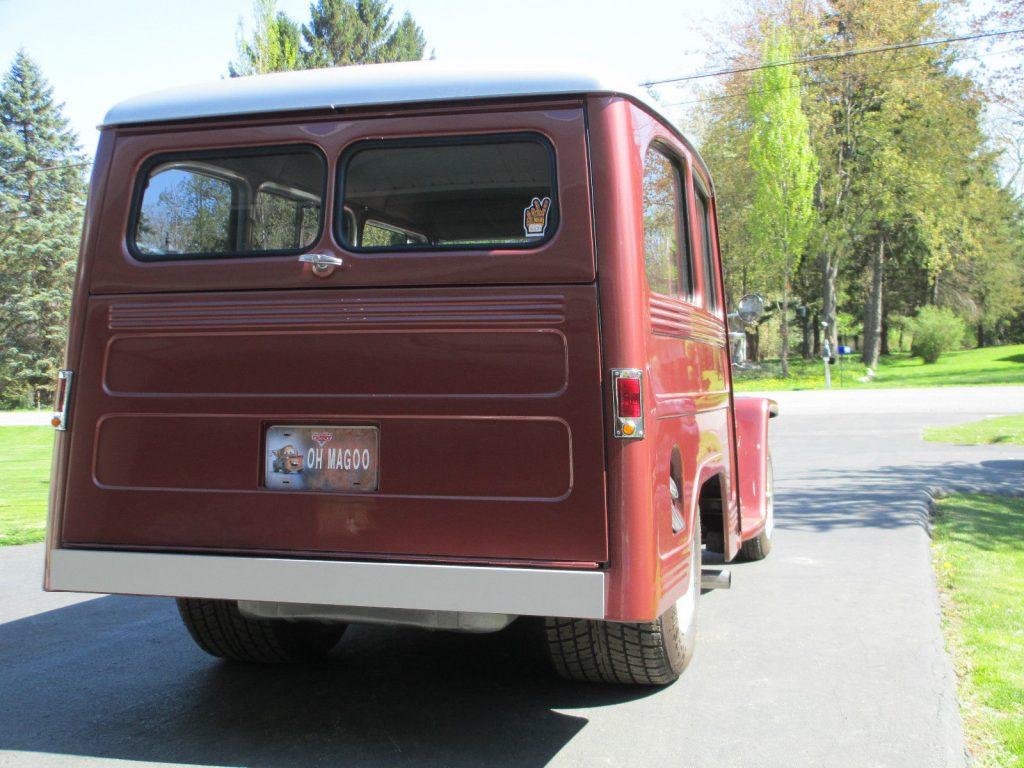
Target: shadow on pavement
column 118, row 677
column 887, row 497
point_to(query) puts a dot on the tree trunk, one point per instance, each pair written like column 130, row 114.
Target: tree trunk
column 805, row 335
column 784, row 356
column 829, row 276
column 885, row 334
column 816, row 325
column 981, row 334
column 873, row 308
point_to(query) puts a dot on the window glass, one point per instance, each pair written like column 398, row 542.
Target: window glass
column 473, row 192
column 668, row 270
column 231, row 204
column 281, row 221
column 185, row 211
column 377, row 235
column 707, row 254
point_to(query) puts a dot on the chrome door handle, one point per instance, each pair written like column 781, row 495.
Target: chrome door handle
column 323, row 263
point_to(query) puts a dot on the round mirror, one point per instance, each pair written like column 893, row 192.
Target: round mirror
column 750, row 308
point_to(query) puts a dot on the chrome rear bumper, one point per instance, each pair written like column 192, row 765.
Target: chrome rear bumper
column 479, row 589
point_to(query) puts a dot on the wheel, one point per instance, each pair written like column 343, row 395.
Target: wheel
column 220, row 629
column 758, row 547
column 642, row 653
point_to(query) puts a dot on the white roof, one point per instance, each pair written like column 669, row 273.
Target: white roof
column 375, row 84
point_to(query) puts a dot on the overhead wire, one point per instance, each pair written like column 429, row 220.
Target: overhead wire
column 814, row 58
column 829, row 81
column 801, row 60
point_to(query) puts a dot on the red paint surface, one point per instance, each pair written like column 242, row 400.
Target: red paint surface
column 752, row 415
column 681, row 348
column 489, row 417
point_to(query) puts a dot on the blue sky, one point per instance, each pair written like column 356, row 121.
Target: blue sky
column 97, row 53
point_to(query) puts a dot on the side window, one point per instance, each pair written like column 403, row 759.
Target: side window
column 666, row 254
column 228, row 203
column 707, row 254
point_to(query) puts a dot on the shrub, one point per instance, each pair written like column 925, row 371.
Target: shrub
column 935, row 331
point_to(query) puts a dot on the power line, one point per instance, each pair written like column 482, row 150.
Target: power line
column 737, row 70
column 828, row 81
column 829, row 56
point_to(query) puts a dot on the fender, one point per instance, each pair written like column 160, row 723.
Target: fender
column 710, row 468
column 752, row 416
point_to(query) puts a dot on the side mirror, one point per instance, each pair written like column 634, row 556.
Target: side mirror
column 750, row 308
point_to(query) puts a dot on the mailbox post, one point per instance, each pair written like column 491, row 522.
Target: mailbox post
column 826, row 355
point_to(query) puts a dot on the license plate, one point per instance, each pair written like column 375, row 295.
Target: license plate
column 322, row 458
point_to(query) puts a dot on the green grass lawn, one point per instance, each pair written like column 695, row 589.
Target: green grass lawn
column 991, row 365
column 24, row 482
column 979, row 559
column 1001, row 429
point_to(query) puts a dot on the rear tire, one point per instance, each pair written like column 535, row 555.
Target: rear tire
column 630, row 653
column 220, row 629
column 758, row 547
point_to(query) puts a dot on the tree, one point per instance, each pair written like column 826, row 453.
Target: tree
column 899, row 139
column 344, row 32
column 273, row 45
column 911, row 208
column 339, row 33
column 784, row 168
column 41, row 196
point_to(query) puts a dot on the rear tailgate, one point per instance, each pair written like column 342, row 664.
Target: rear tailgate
column 486, row 399
column 487, row 402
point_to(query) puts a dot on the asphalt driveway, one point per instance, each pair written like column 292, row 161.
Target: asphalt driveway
column 828, row 653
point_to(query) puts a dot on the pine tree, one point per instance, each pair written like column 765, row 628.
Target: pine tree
column 344, row 32
column 41, row 197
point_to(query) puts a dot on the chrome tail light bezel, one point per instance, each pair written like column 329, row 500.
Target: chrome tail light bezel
column 62, row 400
column 625, row 428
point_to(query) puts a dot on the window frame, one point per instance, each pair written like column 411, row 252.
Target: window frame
column 687, row 285
column 515, row 137
column 712, row 298
column 238, row 230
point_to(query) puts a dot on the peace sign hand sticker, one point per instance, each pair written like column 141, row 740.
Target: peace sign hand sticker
column 535, row 217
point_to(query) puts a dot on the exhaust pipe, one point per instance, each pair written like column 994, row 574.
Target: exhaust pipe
column 715, row 579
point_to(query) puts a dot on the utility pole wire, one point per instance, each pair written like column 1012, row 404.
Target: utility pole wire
column 718, row 73
column 827, row 56
column 833, row 80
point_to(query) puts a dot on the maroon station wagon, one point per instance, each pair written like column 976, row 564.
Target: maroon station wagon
column 406, row 344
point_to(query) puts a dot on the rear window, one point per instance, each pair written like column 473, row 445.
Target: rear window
column 476, row 192
column 236, row 203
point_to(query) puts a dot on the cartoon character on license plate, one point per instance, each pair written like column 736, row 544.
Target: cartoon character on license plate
column 287, row 460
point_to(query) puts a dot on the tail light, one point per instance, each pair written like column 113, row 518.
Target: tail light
column 62, row 401
column 628, row 403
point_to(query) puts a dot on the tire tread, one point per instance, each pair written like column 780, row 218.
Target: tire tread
column 220, row 629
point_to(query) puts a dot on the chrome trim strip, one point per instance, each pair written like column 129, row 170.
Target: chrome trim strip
column 61, row 417
column 521, row 591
